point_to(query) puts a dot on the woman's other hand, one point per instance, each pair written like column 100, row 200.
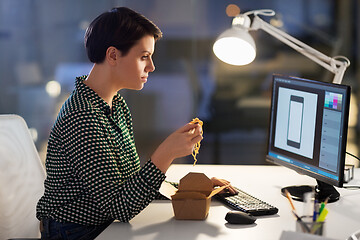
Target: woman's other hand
column 222, row 182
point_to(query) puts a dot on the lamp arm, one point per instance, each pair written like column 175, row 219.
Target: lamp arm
column 332, row 64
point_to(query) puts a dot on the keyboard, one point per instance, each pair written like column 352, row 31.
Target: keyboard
column 246, row 203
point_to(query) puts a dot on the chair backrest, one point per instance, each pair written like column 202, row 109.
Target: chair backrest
column 21, row 179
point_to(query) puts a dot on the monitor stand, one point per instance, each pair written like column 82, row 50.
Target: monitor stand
column 322, row 191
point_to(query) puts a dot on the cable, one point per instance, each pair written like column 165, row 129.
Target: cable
column 352, row 187
column 353, row 156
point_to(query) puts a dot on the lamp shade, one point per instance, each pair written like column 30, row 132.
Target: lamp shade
column 235, row 46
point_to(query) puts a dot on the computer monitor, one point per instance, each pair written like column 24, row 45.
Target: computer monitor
column 308, row 132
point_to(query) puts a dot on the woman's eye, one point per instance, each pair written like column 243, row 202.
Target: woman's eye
column 144, row 57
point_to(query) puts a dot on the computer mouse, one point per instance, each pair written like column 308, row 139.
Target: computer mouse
column 238, row 217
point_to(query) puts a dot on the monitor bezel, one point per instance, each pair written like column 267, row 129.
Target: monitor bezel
column 347, row 90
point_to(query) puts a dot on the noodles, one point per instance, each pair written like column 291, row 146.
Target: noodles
column 197, row 145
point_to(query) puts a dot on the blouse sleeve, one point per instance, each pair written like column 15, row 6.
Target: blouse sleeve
column 91, row 156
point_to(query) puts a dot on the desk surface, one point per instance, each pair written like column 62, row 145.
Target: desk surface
column 264, row 182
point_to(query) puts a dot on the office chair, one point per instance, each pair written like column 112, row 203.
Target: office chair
column 21, row 180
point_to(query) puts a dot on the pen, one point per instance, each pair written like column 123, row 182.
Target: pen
column 322, row 216
column 316, row 210
column 323, row 204
column 320, row 221
column 305, row 228
column 290, row 201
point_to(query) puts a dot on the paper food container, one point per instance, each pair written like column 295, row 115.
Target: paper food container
column 193, row 198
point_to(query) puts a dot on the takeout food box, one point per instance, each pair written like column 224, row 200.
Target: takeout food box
column 193, row 198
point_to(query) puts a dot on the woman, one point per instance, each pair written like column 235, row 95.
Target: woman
column 93, row 169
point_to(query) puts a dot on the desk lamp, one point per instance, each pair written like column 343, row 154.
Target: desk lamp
column 236, row 46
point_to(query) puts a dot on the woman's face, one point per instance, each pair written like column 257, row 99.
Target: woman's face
column 132, row 70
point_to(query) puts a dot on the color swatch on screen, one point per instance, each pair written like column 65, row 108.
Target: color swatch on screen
column 333, row 100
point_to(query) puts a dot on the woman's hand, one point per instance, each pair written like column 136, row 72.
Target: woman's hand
column 179, row 144
column 222, row 182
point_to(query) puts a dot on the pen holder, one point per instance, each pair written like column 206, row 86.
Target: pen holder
column 307, row 225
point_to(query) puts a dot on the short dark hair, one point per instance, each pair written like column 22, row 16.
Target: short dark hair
column 121, row 28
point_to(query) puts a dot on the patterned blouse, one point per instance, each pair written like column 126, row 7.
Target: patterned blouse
column 93, row 169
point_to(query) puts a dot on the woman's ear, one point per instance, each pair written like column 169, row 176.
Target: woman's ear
column 111, row 55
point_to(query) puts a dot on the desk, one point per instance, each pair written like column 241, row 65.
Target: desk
column 157, row 221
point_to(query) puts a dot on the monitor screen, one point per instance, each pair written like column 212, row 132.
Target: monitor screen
column 308, row 131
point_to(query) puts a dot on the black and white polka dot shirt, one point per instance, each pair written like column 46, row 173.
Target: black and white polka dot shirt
column 93, row 169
